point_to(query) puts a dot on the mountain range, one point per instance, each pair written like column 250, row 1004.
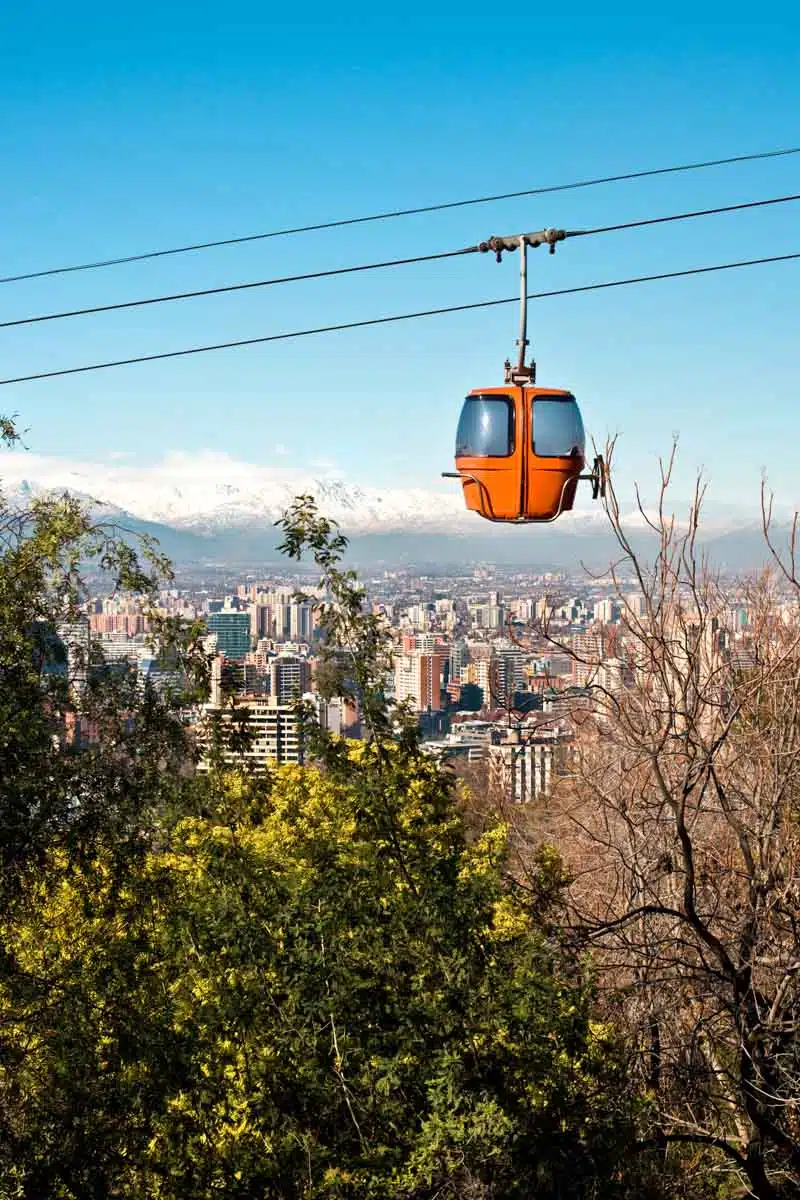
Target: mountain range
column 211, row 508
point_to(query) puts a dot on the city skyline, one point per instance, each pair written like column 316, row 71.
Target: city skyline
column 494, row 669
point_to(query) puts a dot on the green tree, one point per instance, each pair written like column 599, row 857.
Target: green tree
column 83, row 765
column 317, row 989
column 52, row 788
column 313, row 983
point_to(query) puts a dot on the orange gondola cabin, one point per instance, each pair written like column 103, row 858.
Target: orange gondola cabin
column 520, row 452
column 520, row 449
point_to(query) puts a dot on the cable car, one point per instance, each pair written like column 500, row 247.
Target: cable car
column 520, row 452
column 520, row 449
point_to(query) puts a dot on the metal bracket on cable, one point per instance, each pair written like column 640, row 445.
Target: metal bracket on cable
column 544, row 237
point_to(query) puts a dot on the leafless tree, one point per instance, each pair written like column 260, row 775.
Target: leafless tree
column 681, row 828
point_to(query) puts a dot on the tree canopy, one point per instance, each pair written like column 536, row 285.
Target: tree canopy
column 318, row 988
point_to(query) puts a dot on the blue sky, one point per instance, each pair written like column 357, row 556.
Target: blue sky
column 132, row 128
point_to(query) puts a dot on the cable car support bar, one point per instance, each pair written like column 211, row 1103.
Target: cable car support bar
column 522, row 373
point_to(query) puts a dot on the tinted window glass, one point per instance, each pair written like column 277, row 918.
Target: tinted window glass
column 486, row 427
column 557, row 427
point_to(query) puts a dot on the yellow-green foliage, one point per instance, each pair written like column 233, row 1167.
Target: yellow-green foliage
column 319, row 988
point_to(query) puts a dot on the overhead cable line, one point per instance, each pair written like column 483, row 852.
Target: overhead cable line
column 559, row 235
column 234, row 287
column 431, row 312
column 686, row 216
column 402, row 212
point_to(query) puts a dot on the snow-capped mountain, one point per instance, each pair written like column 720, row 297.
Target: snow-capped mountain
column 212, row 492
column 212, row 508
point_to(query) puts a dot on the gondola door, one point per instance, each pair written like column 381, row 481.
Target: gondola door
column 555, row 452
column 490, row 452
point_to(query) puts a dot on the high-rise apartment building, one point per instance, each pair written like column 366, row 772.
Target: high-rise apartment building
column 479, row 672
column 260, row 621
column 614, row 674
column 459, row 657
column 607, row 611
column 418, row 677
column 279, row 614
column 419, row 617
column 281, row 603
column 301, row 620
column 507, row 675
column 339, row 716
column 232, row 630
column 589, row 650
column 634, row 604
column 489, row 616
column 289, row 677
